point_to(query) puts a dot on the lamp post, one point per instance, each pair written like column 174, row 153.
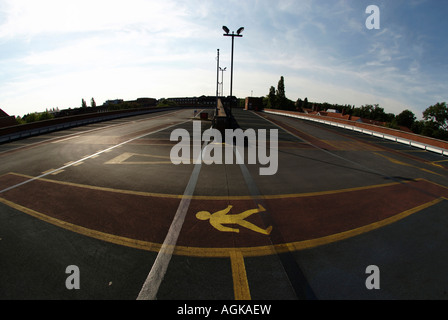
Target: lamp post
column 233, row 35
column 222, row 80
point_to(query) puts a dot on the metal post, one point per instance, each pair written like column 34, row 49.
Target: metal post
column 222, row 80
column 217, row 80
column 231, row 73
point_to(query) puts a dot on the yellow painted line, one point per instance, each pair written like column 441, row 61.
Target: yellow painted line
column 119, row 159
column 224, row 252
column 57, row 172
column 429, row 171
column 435, row 183
column 305, row 244
column 347, row 145
column 175, row 196
column 440, row 161
column 357, row 231
column 240, row 284
column 393, row 160
column 139, row 193
column 438, row 165
column 144, row 245
column 49, row 170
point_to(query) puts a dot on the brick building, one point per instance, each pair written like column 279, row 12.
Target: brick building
column 6, row 120
column 253, row 103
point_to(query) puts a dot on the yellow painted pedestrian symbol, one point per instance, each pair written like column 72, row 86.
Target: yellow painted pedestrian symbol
column 221, row 217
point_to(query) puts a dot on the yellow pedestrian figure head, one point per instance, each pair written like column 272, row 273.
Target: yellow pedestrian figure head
column 203, row 215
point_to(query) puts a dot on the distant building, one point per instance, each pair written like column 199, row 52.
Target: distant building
column 116, row 101
column 202, row 101
column 3, row 114
column 185, row 101
column 146, row 102
column 254, row 104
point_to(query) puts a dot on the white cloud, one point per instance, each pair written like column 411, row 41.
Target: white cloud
column 30, row 17
column 106, row 49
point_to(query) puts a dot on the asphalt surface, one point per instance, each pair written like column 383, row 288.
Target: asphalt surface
column 108, row 199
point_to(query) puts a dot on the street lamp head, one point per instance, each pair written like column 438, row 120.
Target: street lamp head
column 240, row 30
column 226, row 30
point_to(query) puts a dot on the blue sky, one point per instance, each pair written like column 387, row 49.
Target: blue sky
column 54, row 53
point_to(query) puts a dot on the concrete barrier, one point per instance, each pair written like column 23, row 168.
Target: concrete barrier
column 40, row 127
column 411, row 139
column 221, row 119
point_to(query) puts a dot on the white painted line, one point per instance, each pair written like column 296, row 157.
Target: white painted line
column 157, row 273
column 51, row 171
column 69, row 136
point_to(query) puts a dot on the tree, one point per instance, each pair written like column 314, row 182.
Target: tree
column 417, row 126
column 282, row 101
column 19, row 120
column 393, row 124
column 377, row 113
column 83, row 104
column 92, row 103
column 166, row 103
column 45, row 116
column 31, row 117
column 272, row 98
column 373, row 112
column 435, row 122
column 437, row 114
column 305, row 103
column 430, row 129
column 281, row 89
column 406, row 118
column 299, row 104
